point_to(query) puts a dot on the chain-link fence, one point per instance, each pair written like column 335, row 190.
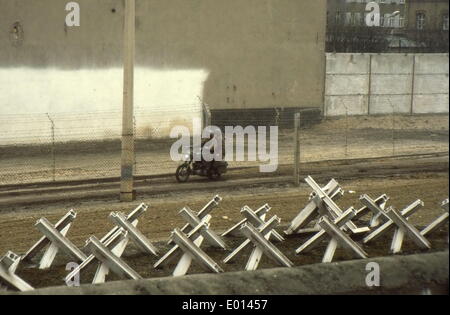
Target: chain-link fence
column 352, row 137
column 46, row 148
column 346, row 137
column 79, row 146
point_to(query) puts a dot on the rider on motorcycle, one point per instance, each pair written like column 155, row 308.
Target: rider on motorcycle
column 194, row 165
column 207, row 165
column 213, row 145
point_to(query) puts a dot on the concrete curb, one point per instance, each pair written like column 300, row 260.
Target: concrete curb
column 399, row 274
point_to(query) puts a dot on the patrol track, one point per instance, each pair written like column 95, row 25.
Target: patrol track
column 108, row 188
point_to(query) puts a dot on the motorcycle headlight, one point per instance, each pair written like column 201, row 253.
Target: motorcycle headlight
column 186, row 157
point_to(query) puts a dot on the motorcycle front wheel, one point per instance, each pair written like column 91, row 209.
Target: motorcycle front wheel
column 183, row 172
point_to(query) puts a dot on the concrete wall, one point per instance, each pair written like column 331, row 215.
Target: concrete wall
column 363, row 84
column 233, row 54
column 417, row 274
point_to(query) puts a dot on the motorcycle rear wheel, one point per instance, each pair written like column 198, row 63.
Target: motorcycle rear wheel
column 183, row 172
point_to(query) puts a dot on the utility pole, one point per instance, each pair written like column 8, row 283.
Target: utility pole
column 297, row 121
column 127, row 162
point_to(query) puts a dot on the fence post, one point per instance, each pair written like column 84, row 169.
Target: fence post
column 346, row 128
column 413, row 84
column 134, row 143
column 52, row 123
column 393, row 130
column 369, row 90
column 346, row 132
column 393, row 127
column 297, row 117
column 206, row 115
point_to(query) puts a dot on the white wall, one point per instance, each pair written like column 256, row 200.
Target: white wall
column 87, row 104
column 364, row 84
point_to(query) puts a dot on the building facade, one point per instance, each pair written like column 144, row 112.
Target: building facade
column 405, row 26
column 428, row 24
column 428, row 15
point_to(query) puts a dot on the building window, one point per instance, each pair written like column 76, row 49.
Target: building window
column 401, row 22
column 338, row 18
column 386, row 20
column 391, row 21
column 358, row 19
column 348, row 18
column 420, row 20
column 445, row 22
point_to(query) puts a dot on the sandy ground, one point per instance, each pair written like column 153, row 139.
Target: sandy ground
column 337, row 138
column 18, row 234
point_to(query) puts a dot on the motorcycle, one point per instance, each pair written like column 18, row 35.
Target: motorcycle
column 213, row 170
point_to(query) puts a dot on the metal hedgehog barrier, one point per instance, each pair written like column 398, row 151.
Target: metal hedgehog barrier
column 328, row 221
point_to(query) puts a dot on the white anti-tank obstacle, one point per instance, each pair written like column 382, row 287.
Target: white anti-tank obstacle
column 55, row 238
column 117, row 246
column 210, row 236
column 404, row 228
column 8, row 267
column 257, row 221
column 317, row 238
column 190, row 243
column 311, row 211
column 338, row 237
column 109, row 259
column 397, row 220
column 193, row 235
column 333, row 229
column 439, row 222
column 258, row 232
column 262, row 245
column 59, row 240
column 266, row 228
column 63, row 226
column 388, row 225
column 376, row 219
column 133, row 233
column 186, row 259
column 234, row 230
column 256, row 218
column 116, row 240
column 326, row 206
column 207, row 209
column 192, row 251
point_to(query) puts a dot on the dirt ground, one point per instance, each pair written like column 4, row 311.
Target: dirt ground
column 17, row 232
